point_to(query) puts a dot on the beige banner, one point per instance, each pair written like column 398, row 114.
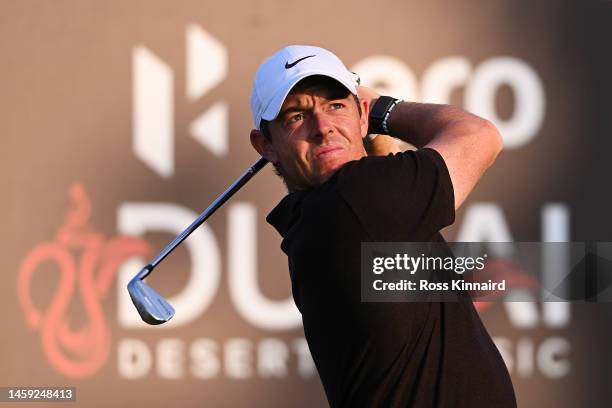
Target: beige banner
column 121, row 121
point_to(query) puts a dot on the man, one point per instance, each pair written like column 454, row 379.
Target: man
column 311, row 124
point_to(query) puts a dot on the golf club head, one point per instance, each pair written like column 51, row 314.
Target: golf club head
column 151, row 306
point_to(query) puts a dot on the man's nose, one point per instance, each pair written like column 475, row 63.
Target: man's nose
column 321, row 125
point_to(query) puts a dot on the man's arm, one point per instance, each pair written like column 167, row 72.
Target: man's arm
column 469, row 144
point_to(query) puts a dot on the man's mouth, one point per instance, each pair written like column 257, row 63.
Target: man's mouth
column 327, row 151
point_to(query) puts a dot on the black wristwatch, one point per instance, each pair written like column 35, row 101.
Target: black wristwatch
column 379, row 115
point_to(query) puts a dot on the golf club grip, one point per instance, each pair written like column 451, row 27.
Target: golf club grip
column 236, row 185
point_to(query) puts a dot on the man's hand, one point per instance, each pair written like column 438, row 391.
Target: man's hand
column 381, row 145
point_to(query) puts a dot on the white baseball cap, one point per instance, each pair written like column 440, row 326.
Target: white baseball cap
column 279, row 73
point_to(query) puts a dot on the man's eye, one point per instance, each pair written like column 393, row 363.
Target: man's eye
column 295, row 118
column 337, row 105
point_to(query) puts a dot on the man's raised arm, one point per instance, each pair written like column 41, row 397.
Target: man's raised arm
column 468, row 143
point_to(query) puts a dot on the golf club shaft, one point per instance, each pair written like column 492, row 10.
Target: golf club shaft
column 236, row 185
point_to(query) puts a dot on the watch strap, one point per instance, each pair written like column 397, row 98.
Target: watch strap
column 379, row 114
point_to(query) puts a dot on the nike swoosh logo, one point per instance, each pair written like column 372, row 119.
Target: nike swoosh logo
column 288, row 65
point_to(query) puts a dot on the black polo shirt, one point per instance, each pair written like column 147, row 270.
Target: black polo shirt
column 384, row 354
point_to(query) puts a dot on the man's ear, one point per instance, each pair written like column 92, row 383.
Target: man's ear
column 363, row 120
column 263, row 146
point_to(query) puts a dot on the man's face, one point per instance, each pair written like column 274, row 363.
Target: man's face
column 318, row 130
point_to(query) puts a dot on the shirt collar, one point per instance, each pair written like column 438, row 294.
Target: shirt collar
column 287, row 212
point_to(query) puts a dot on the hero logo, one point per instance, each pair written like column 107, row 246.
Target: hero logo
column 153, row 96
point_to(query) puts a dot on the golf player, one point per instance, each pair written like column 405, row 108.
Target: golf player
column 312, row 123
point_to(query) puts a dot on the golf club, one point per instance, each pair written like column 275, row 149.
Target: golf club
column 151, row 306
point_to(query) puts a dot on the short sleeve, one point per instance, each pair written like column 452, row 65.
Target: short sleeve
column 402, row 197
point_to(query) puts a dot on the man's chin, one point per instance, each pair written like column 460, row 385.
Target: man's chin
column 329, row 171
